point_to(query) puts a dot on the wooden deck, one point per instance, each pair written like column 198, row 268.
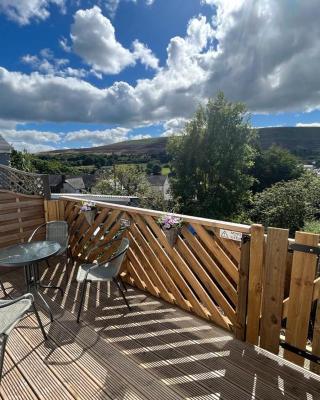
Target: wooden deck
column 154, row 352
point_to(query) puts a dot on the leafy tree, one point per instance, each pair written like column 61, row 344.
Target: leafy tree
column 21, row 160
column 275, row 165
column 288, row 204
column 156, row 169
column 130, row 180
column 211, row 160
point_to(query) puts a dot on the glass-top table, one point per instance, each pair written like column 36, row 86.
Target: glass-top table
column 29, row 255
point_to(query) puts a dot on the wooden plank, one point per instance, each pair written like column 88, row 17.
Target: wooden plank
column 210, row 265
column 23, row 204
column 273, row 288
column 300, row 298
column 316, row 340
column 231, row 246
column 241, row 310
column 157, row 214
column 177, row 267
column 207, row 281
column 255, row 283
column 165, row 282
column 217, row 252
column 315, row 296
column 164, row 261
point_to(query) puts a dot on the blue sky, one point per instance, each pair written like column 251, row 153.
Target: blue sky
column 78, row 73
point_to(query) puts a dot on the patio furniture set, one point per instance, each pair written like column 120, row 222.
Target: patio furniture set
column 28, row 257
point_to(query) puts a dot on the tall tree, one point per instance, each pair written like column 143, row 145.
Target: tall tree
column 275, row 165
column 22, row 160
column 211, row 160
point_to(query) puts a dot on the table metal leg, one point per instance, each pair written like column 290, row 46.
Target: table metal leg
column 32, row 283
column 45, row 286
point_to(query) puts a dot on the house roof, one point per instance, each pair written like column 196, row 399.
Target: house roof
column 4, row 146
column 157, row 180
column 76, row 183
column 55, row 180
column 89, row 180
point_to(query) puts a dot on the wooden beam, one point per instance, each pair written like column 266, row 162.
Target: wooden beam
column 273, row 288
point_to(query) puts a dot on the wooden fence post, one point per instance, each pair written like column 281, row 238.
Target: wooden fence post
column 241, row 311
column 255, row 283
column 273, row 288
column 316, row 340
column 300, row 297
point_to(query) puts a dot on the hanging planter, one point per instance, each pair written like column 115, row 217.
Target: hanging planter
column 171, row 227
column 89, row 210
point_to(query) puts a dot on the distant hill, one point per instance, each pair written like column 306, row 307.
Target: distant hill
column 303, row 140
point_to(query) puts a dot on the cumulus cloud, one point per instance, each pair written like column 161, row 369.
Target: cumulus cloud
column 308, row 125
column 31, row 140
column 24, row 11
column 263, row 53
column 99, row 137
column 174, row 126
column 94, row 40
column 112, row 5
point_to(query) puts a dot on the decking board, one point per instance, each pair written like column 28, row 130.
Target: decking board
column 155, row 352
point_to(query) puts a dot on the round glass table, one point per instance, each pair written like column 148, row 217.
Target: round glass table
column 28, row 256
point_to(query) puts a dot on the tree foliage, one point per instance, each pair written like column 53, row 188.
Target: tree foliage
column 130, row 180
column 288, row 204
column 211, row 161
column 22, row 160
column 275, row 165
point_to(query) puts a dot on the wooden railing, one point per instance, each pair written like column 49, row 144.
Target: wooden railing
column 201, row 273
column 259, row 286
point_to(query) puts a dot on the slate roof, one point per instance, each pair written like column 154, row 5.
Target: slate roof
column 157, row 180
column 76, row 183
column 4, row 146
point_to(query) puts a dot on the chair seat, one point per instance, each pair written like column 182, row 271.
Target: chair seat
column 11, row 315
column 99, row 273
column 62, row 250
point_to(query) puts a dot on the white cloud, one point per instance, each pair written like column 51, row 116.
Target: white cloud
column 112, row 5
column 31, row 140
column 174, row 126
column 94, row 40
column 144, row 54
column 139, row 137
column 23, row 11
column 99, row 137
column 47, row 64
column 249, row 43
column 308, row 125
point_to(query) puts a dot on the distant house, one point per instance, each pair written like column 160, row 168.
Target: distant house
column 56, row 183
column 73, row 185
column 5, row 151
column 161, row 184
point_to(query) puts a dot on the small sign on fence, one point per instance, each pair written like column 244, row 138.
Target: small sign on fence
column 232, row 235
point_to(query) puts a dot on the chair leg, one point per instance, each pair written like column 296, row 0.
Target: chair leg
column 39, row 321
column 122, row 293
column 123, row 284
column 2, row 351
column 84, row 286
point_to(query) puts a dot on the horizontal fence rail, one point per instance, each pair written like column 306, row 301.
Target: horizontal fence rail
column 19, row 216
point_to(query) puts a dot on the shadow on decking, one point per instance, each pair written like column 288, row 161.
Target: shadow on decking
column 153, row 352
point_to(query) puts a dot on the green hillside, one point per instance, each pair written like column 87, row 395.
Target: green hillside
column 303, row 141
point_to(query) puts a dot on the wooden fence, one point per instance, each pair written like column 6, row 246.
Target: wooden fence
column 19, row 216
column 255, row 287
column 262, row 286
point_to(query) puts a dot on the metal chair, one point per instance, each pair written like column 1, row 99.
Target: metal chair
column 11, row 312
column 56, row 231
column 105, row 272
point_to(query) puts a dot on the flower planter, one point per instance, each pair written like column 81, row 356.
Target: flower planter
column 90, row 215
column 171, row 235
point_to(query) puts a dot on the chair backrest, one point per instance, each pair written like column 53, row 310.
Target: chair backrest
column 115, row 264
column 57, row 231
